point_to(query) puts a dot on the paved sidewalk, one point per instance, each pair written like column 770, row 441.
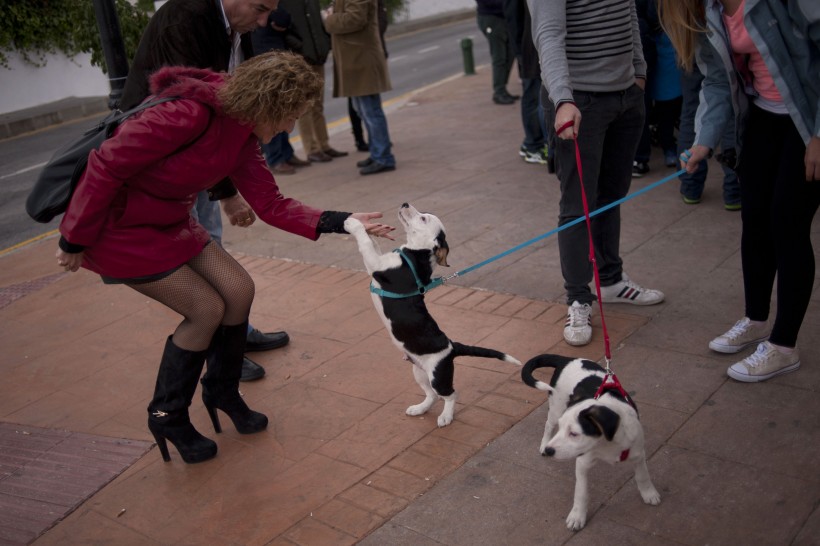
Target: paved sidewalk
column 341, row 463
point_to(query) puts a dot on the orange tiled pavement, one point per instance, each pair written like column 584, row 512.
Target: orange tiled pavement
column 734, row 463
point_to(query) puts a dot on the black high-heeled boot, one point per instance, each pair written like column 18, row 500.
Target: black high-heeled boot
column 220, row 384
column 168, row 411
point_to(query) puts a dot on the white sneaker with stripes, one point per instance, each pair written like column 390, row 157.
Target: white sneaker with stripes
column 627, row 291
column 578, row 328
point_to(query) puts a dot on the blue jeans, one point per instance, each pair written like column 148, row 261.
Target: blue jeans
column 691, row 185
column 610, row 130
column 206, row 212
column 532, row 115
column 369, row 108
column 278, row 150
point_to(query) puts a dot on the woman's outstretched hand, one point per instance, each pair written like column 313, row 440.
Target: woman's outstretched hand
column 374, row 228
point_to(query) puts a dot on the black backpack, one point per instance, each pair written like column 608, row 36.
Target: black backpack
column 55, row 185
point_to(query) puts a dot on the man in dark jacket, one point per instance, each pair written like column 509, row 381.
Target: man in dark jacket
column 313, row 43
column 491, row 22
column 205, row 34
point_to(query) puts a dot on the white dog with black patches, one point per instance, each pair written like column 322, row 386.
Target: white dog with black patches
column 399, row 281
column 589, row 429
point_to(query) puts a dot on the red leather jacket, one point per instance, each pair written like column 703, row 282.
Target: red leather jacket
column 131, row 209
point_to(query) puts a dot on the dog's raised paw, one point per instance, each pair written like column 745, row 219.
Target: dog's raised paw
column 352, row 224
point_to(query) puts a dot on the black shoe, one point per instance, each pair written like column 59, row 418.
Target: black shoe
column 364, row 162
column 513, row 97
column 376, row 167
column 362, row 146
column 258, row 341
column 251, row 371
column 503, row 99
column 334, row 153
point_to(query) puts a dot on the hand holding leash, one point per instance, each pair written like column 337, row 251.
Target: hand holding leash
column 690, row 158
column 567, row 116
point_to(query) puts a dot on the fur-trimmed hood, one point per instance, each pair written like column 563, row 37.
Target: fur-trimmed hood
column 191, row 83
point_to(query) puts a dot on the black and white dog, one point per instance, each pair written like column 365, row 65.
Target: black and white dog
column 399, row 280
column 589, row 429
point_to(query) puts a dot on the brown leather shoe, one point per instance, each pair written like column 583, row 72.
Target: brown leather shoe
column 334, row 153
column 296, row 162
column 319, row 157
column 282, row 168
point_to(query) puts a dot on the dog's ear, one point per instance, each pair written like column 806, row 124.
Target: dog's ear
column 602, row 420
column 442, row 250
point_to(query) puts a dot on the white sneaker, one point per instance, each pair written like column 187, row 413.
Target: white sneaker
column 741, row 335
column 627, row 291
column 578, row 328
column 765, row 363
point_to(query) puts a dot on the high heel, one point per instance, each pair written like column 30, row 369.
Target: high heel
column 220, row 384
column 244, row 419
column 168, row 411
column 191, row 445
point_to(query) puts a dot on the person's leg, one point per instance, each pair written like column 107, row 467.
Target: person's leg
column 534, row 140
column 356, row 127
column 202, row 308
column 573, row 243
column 757, row 249
column 207, row 213
column 225, row 352
column 691, row 185
column 494, row 29
column 369, row 108
column 622, row 135
column 793, row 208
column 668, row 115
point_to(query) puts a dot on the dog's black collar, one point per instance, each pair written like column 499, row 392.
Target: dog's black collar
column 421, row 290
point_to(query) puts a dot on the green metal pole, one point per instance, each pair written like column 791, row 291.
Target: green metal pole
column 467, row 54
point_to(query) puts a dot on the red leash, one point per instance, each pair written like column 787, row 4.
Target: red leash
column 610, row 381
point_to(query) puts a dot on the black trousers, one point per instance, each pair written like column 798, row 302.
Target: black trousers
column 778, row 206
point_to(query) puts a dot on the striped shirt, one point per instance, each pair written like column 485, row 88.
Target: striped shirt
column 587, row 45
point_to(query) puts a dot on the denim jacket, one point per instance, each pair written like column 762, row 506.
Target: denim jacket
column 787, row 34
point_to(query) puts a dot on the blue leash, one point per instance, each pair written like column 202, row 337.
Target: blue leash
column 438, row 281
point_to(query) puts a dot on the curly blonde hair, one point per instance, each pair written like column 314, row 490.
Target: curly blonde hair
column 270, row 88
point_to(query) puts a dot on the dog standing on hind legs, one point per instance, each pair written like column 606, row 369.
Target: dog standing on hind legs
column 589, row 429
column 399, row 280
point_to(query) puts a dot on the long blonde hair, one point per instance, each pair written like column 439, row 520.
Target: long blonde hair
column 270, row 88
column 683, row 20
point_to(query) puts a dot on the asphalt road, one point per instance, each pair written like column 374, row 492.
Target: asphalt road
column 415, row 60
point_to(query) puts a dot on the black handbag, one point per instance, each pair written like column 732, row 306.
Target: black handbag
column 52, row 192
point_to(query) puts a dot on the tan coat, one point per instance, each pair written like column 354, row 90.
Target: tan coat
column 359, row 65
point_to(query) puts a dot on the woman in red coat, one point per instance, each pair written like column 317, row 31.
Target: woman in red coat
column 129, row 220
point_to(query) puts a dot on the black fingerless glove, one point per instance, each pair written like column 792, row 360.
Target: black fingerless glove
column 332, row 221
column 65, row 246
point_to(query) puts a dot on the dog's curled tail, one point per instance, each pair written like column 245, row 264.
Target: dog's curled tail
column 541, row 361
column 459, row 349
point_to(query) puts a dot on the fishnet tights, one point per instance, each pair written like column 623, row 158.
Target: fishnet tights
column 211, row 289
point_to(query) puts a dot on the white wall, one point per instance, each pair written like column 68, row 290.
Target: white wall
column 24, row 85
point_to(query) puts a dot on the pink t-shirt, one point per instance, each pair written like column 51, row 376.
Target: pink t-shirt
column 742, row 46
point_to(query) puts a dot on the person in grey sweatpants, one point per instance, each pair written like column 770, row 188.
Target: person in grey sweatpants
column 593, row 68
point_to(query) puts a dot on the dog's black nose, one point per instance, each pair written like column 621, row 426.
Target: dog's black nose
column 549, row 452
column 404, row 205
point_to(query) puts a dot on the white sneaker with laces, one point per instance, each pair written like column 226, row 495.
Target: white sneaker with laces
column 627, row 291
column 741, row 335
column 578, row 328
column 766, row 362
